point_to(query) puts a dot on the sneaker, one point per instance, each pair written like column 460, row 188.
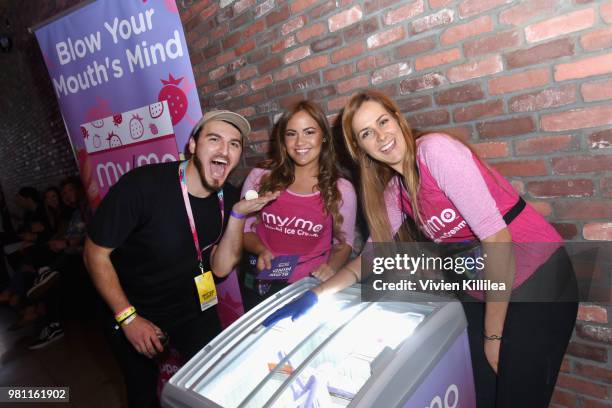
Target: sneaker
column 46, row 279
column 48, row 335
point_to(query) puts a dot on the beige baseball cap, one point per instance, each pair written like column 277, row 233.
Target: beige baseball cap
column 227, row 116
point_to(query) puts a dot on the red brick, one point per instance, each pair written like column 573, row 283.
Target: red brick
column 385, row 37
column 361, row 29
column 491, row 150
column 231, row 40
column 236, row 64
column 372, row 6
column 567, row 231
column 287, row 72
column 270, row 64
column 524, row 12
column 404, row 13
column 427, row 81
column 322, row 93
column 492, row 43
column 277, row 16
column 345, row 18
column 442, row 17
column 596, row 333
column 307, row 81
column 543, row 145
column 540, row 53
column 437, row 59
column 286, row 42
column 596, row 91
column 460, row 132
column 347, row 52
column 605, row 187
column 338, row 73
column 564, row 398
column 246, row 72
column 598, row 232
column 472, row 7
column 506, row 127
column 354, row 83
column 440, row 3
column 337, row 103
column 296, row 54
column 217, row 73
column 522, row 168
column 244, row 48
column 463, row 93
column 577, row 118
column 582, row 164
column 193, row 10
column 601, row 140
column 589, row 403
column 588, row 352
column 293, row 25
column 582, row 386
column 259, row 136
column 560, row 188
column 606, row 12
column 594, row 372
column 545, row 99
column 429, row 119
column 242, row 5
column 322, row 9
column 225, row 58
column 390, row 72
column 254, row 28
column 261, row 82
column 372, row 62
column 594, row 313
column 560, row 25
column 598, row 65
column 415, row 47
column 300, row 5
column 276, row 90
column 461, row 32
column 239, row 90
column 583, row 210
column 314, row 63
column 247, row 112
column 516, row 82
column 255, row 99
column 597, row 40
column 478, row 110
column 314, row 30
column 326, row 43
column 415, row 103
column 475, row 69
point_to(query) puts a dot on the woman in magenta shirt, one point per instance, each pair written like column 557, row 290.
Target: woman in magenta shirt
column 314, row 215
column 517, row 347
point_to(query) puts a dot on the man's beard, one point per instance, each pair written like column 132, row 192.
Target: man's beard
column 200, row 167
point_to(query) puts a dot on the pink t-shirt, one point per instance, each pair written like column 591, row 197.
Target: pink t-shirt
column 297, row 224
column 460, row 199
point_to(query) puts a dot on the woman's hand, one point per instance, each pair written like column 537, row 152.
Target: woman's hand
column 491, row 349
column 264, row 260
column 323, row 272
column 246, row 207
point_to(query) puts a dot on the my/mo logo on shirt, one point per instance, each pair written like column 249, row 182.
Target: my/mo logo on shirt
column 291, row 225
column 436, row 224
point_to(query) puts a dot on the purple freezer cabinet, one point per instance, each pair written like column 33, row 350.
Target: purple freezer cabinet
column 343, row 353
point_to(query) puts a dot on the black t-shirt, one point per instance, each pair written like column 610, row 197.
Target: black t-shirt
column 143, row 218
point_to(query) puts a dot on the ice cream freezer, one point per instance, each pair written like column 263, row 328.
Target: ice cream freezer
column 343, row 353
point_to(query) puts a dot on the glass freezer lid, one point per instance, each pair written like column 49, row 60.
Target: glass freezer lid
column 327, row 356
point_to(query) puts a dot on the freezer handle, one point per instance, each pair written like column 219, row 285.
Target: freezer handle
column 381, row 360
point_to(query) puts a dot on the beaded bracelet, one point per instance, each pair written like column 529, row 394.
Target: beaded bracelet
column 492, row 337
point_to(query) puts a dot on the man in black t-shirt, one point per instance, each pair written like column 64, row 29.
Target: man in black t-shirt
column 142, row 257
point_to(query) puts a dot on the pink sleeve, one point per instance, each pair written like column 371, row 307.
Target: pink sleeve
column 251, row 183
column 348, row 209
column 452, row 165
column 392, row 203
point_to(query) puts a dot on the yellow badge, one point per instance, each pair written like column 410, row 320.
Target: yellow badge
column 207, row 292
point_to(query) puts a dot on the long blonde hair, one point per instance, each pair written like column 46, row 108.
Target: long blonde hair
column 282, row 167
column 375, row 176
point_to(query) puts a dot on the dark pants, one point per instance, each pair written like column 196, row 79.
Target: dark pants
column 535, row 337
column 140, row 373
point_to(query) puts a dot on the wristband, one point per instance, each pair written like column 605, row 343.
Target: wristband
column 237, row 215
column 122, row 315
column 492, row 337
column 129, row 319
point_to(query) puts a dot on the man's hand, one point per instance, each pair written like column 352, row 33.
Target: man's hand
column 246, row 207
column 264, row 260
column 323, row 272
column 144, row 336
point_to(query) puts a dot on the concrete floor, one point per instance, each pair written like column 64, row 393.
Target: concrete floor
column 80, row 360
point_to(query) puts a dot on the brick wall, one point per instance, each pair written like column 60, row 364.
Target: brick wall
column 527, row 83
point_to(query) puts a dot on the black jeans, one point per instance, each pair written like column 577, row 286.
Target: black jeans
column 140, row 373
column 535, row 337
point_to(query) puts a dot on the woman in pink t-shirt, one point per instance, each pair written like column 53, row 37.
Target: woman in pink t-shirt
column 517, row 347
column 314, row 216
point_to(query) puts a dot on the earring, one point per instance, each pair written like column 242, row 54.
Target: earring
column 324, row 139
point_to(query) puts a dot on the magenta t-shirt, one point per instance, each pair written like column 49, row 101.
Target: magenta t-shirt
column 460, row 199
column 297, row 224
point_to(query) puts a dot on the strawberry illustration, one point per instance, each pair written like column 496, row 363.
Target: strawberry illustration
column 98, row 123
column 156, row 109
column 153, row 129
column 84, row 132
column 97, row 141
column 117, row 119
column 175, row 96
column 136, row 127
column 113, row 140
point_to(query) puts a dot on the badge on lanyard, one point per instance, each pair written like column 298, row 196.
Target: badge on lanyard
column 205, row 283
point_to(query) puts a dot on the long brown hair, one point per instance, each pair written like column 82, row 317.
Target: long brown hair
column 282, row 167
column 375, row 176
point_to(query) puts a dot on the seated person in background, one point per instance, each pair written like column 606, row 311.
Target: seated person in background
column 320, row 205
